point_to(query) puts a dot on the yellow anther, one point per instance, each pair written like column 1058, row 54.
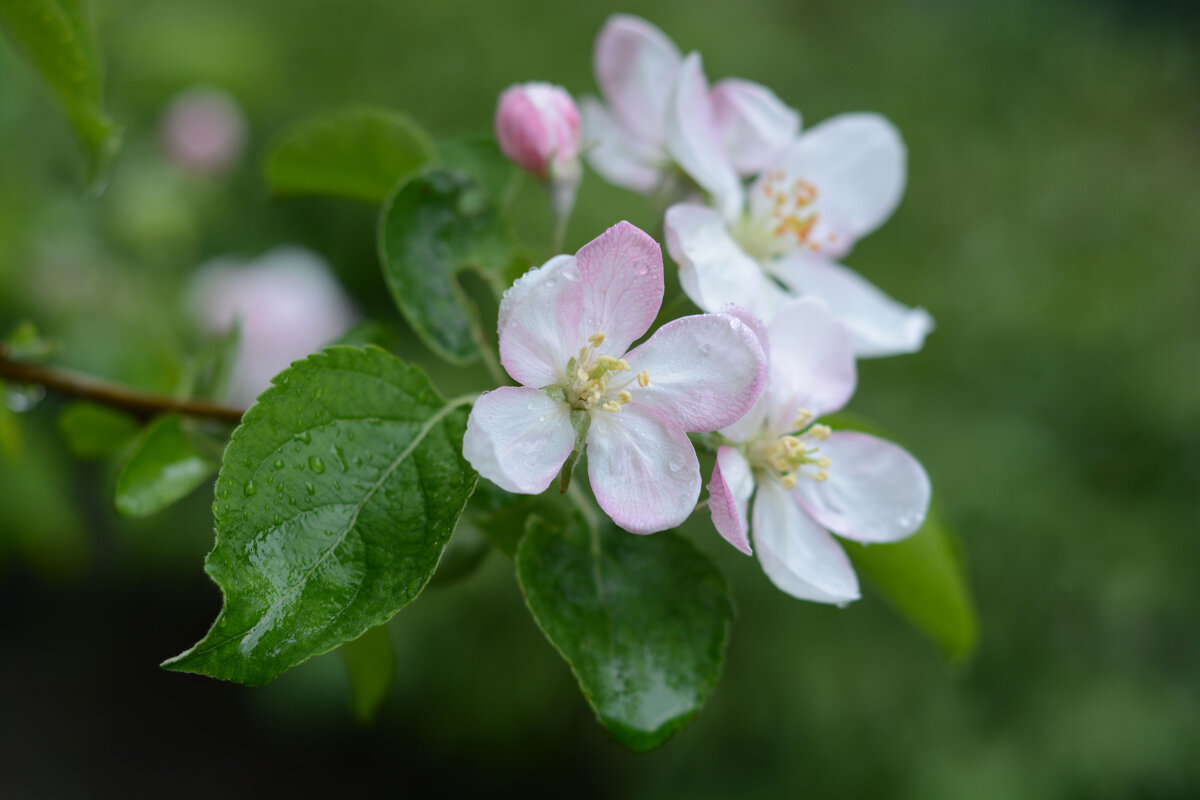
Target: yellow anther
column 611, row 406
column 643, row 379
column 803, row 416
column 820, row 432
column 821, row 476
column 596, row 339
column 624, row 396
column 788, row 480
column 824, row 462
column 624, row 365
column 791, row 444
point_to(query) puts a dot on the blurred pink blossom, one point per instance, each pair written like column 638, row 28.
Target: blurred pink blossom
column 537, row 125
column 288, row 303
column 203, row 130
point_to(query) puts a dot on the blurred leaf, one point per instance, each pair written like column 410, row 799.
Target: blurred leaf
column 371, row 667
column 642, row 622
column 94, row 431
column 501, row 516
column 10, row 431
column 438, row 224
column 26, row 343
column 57, row 36
column 360, row 153
column 164, row 467
column 212, row 366
column 922, row 576
column 337, row 494
column 479, row 158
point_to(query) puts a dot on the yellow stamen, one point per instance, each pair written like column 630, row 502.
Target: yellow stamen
column 643, row 379
column 596, row 339
column 624, row 396
column 788, row 481
column 611, row 406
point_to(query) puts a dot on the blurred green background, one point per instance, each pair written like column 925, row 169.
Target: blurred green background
column 1051, row 225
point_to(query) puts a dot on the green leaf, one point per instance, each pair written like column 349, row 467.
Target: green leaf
column 361, row 153
column 10, row 432
column 923, row 576
column 165, row 467
column 336, row 496
column 94, row 432
column 479, row 158
column 438, row 224
column 57, row 36
column 371, row 667
column 464, row 555
column 641, row 620
column 207, row 374
column 26, row 343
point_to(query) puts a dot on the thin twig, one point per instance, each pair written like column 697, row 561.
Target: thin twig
column 143, row 405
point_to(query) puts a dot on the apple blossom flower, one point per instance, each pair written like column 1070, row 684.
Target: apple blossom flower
column 565, row 331
column 658, row 112
column 288, row 305
column 807, row 480
column 203, row 130
column 834, row 184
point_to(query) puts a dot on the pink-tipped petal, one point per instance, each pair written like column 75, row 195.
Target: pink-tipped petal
column 857, row 162
column 537, row 127
column 798, row 555
column 621, row 272
column 812, row 362
column 751, row 423
column 879, row 325
column 713, row 270
column 539, row 322
column 729, row 497
column 518, row 438
column 755, row 125
column 876, row 491
column 705, row 371
column 694, row 141
column 643, row 470
column 615, row 155
column 636, row 65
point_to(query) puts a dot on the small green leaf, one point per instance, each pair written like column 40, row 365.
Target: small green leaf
column 923, row 576
column 94, row 432
column 165, row 467
column 57, row 36
column 336, row 496
column 641, row 620
column 361, row 153
column 500, row 516
column 438, row 224
column 207, row 374
column 10, row 431
column 479, row 158
column 464, row 555
column 371, row 667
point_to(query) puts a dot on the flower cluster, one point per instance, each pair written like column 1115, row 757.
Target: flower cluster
column 764, row 212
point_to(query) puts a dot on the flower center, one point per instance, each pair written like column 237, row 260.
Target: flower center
column 784, row 219
column 595, row 379
column 796, row 455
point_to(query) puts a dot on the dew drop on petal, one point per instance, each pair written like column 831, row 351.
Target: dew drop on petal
column 705, row 349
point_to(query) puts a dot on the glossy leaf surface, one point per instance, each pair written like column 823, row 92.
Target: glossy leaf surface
column 335, row 500
column 641, row 620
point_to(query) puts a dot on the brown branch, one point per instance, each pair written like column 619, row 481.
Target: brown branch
column 143, row 405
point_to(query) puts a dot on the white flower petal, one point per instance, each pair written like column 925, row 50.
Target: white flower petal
column 857, row 163
column 713, row 269
column 636, row 65
column 876, row 491
column 621, row 272
column 615, row 155
column 797, row 554
column 812, row 363
column 729, row 497
column 879, row 325
column 755, row 125
column 705, row 371
column 539, row 322
column 643, row 470
column 518, row 438
column 694, row 141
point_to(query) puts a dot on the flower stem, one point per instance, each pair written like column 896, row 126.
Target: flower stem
column 143, row 405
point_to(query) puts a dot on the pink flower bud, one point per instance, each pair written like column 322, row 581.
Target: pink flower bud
column 537, row 125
